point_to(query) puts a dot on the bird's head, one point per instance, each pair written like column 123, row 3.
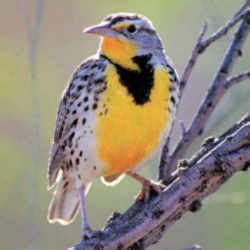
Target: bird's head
column 124, row 36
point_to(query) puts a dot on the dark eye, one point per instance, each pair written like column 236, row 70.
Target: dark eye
column 131, row 28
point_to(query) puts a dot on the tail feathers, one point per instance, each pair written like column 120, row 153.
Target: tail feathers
column 56, row 162
column 65, row 203
column 112, row 180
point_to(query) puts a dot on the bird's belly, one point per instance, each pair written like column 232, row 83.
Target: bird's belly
column 128, row 142
column 129, row 133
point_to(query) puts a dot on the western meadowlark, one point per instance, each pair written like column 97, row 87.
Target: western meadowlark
column 114, row 114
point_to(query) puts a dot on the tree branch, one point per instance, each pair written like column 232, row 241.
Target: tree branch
column 215, row 92
column 144, row 223
column 202, row 44
column 222, row 31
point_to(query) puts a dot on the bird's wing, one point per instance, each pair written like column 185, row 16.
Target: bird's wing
column 84, row 75
column 56, row 154
column 175, row 83
column 61, row 117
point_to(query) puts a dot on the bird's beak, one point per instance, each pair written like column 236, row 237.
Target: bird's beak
column 101, row 29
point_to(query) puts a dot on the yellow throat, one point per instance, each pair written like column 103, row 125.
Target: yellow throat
column 120, row 51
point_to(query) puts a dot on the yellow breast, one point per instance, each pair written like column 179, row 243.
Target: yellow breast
column 129, row 133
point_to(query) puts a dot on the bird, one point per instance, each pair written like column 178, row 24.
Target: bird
column 114, row 115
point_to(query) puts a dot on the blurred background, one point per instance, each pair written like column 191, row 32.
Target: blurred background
column 41, row 43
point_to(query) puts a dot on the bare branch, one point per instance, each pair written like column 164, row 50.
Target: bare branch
column 244, row 6
column 137, row 225
column 192, row 60
column 237, row 79
column 183, row 128
column 202, row 44
column 223, row 30
column 165, row 156
column 200, row 47
column 215, row 92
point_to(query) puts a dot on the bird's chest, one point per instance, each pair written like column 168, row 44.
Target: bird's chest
column 131, row 128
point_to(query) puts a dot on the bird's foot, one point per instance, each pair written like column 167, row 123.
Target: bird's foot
column 147, row 188
column 87, row 233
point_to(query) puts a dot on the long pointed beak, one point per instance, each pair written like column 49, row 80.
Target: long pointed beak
column 101, row 29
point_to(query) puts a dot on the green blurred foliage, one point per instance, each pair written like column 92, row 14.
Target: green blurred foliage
column 223, row 223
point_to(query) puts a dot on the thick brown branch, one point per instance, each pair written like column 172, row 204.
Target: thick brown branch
column 144, row 223
column 216, row 91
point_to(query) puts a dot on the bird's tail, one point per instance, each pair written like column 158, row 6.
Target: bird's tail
column 64, row 205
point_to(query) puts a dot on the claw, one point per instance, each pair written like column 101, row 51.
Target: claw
column 147, row 188
column 87, row 233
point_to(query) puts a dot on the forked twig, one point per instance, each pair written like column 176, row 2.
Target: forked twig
column 216, row 91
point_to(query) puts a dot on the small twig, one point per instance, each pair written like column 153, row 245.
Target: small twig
column 202, row 44
column 243, row 7
column 192, row 60
column 183, row 128
column 236, row 79
column 223, row 30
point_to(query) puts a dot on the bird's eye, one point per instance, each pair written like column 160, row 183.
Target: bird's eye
column 131, row 28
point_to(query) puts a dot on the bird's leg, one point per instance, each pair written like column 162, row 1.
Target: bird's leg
column 86, row 230
column 147, row 186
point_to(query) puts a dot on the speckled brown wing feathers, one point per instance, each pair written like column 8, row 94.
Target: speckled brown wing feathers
column 56, row 159
column 88, row 73
column 56, row 154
